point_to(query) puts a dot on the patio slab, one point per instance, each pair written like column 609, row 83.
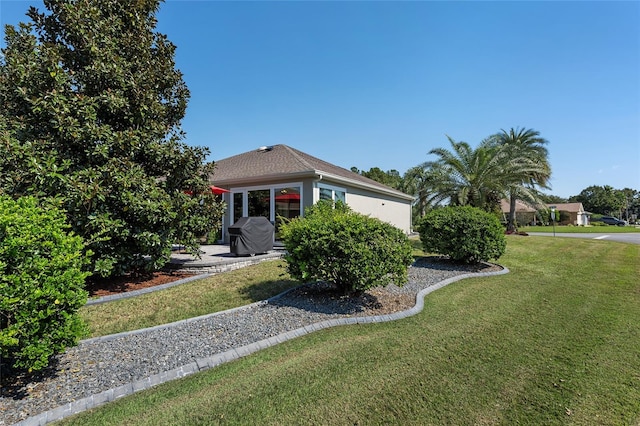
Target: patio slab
column 216, row 258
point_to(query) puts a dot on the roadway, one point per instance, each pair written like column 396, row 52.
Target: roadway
column 631, row 238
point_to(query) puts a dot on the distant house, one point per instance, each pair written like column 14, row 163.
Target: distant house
column 525, row 213
column 574, row 213
column 280, row 181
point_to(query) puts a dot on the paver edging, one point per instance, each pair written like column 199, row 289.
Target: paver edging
column 206, row 363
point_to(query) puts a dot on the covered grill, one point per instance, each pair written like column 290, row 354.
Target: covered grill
column 251, row 235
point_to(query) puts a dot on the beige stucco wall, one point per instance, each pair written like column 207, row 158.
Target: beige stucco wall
column 389, row 210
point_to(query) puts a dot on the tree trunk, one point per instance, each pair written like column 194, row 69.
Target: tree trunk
column 511, row 223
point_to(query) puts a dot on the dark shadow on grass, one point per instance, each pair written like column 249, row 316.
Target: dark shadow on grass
column 443, row 263
column 267, row 289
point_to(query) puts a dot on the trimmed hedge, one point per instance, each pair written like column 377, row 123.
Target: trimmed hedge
column 465, row 234
column 41, row 283
column 353, row 251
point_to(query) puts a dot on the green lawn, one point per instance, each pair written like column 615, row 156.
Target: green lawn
column 556, row 341
column 608, row 229
column 217, row 293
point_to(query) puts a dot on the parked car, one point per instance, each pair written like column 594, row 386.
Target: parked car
column 610, row 220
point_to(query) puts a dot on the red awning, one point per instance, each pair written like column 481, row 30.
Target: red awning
column 218, row 191
column 288, row 197
column 214, row 190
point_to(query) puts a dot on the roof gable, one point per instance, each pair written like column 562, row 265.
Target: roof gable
column 568, row 207
column 521, row 207
column 279, row 161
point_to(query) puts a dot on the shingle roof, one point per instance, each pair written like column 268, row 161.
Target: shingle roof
column 520, row 207
column 279, row 161
column 568, row 207
column 523, row 207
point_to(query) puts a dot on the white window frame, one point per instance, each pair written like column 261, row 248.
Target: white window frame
column 333, row 190
column 272, row 205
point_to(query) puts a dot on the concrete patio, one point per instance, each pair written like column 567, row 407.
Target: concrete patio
column 216, row 258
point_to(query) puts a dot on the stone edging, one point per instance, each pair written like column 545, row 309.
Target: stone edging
column 201, row 364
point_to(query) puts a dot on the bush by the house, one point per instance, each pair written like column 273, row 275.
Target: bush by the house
column 353, row 251
column 41, row 283
column 465, row 234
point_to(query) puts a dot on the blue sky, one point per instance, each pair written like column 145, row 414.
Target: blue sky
column 380, row 84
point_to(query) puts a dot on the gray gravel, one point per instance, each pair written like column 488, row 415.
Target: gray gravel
column 104, row 363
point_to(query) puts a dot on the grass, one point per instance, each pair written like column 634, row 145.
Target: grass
column 608, row 229
column 217, row 293
column 556, row 341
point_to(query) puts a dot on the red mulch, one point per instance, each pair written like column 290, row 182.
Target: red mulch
column 109, row 286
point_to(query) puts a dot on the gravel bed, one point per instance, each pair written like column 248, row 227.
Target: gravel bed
column 100, row 364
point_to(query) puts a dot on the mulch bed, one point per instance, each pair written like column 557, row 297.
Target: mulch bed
column 109, row 286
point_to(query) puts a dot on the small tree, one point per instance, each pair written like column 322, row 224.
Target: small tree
column 465, row 234
column 352, row 251
column 41, row 283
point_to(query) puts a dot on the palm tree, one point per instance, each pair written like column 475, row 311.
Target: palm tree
column 525, row 144
column 467, row 176
column 415, row 182
column 480, row 177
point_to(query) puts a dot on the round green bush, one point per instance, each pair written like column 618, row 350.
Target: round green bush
column 353, row 251
column 465, row 234
column 41, row 283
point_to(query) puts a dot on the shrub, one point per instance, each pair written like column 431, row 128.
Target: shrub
column 353, row 251
column 41, row 283
column 465, row 234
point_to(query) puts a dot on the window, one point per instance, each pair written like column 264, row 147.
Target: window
column 287, row 202
column 273, row 202
column 237, row 206
column 326, row 194
column 287, row 205
column 258, row 203
column 332, row 193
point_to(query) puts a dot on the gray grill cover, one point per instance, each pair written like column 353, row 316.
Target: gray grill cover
column 251, row 235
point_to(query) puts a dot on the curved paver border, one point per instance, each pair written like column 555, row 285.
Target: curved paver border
column 202, row 364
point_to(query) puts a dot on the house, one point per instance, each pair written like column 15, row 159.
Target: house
column 575, row 212
column 280, row 181
column 571, row 213
column 525, row 213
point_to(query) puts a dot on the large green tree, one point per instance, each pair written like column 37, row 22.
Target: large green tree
column 631, row 207
column 604, row 200
column 390, row 178
column 526, row 144
column 91, row 109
